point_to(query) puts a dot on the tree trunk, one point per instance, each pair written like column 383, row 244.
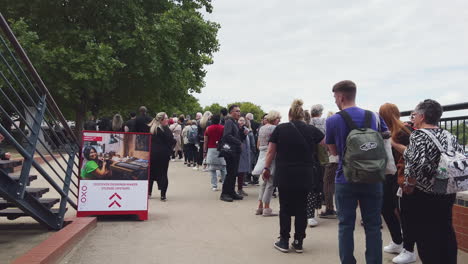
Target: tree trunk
column 80, row 115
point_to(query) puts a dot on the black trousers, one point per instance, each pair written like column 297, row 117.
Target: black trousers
column 199, row 154
column 179, row 153
column 390, row 204
column 435, row 236
column 232, row 165
column 292, row 203
column 158, row 173
column 190, row 151
column 408, row 225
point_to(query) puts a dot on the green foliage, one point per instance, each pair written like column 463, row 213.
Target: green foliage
column 106, row 56
column 245, row 107
column 461, row 135
column 248, row 107
column 189, row 106
column 214, row 108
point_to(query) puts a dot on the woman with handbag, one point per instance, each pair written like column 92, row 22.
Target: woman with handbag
column 215, row 163
column 402, row 240
column 266, row 189
column 431, row 216
column 296, row 172
column 245, row 162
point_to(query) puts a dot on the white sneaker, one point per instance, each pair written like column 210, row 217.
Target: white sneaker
column 214, row 189
column 172, row 159
column 405, row 257
column 195, row 168
column 393, row 248
column 312, row 222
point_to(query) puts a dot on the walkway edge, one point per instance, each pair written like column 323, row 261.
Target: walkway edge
column 59, row 244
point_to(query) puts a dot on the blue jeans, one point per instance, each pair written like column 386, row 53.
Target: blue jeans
column 369, row 196
column 214, row 177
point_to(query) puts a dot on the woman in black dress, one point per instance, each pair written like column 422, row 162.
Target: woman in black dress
column 162, row 143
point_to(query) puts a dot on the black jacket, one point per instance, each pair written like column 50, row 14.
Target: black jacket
column 162, row 144
column 231, row 131
column 141, row 123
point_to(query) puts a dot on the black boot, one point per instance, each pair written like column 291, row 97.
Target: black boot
column 163, row 196
column 282, row 245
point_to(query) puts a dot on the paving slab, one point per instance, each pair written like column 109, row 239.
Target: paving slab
column 20, row 235
column 194, row 226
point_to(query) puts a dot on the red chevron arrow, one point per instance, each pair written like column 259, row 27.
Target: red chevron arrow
column 114, row 202
column 114, row 195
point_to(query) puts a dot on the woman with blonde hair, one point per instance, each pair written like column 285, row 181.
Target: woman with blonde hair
column 245, row 161
column 266, row 189
column 403, row 240
column 176, row 129
column 162, row 144
column 296, row 170
column 307, row 117
column 117, row 123
column 202, row 124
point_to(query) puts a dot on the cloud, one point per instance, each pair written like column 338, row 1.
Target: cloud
column 396, row 51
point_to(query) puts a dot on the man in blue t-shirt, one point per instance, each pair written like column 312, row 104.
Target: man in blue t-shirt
column 347, row 195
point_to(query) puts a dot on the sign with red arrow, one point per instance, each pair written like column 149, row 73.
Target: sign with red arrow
column 123, row 187
column 114, row 203
column 115, row 195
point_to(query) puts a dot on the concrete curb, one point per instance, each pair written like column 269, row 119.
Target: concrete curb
column 59, row 244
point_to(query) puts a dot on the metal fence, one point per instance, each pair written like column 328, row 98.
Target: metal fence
column 456, row 125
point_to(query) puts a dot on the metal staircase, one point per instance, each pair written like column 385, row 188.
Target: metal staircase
column 32, row 122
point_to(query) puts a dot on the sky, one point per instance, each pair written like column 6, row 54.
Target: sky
column 401, row 52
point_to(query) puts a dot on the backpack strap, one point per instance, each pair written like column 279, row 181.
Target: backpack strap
column 434, row 139
column 348, row 120
column 368, row 119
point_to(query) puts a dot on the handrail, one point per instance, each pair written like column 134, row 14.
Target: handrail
column 24, row 57
column 447, row 108
column 43, row 129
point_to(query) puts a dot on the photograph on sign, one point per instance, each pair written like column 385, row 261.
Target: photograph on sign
column 114, row 172
column 109, row 156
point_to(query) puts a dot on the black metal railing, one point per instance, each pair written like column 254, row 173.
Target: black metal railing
column 456, row 125
column 32, row 122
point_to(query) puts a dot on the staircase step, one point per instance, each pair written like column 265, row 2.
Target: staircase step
column 13, row 213
column 6, row 164
column 36, row 192
column 47, row 202
column 16, row 178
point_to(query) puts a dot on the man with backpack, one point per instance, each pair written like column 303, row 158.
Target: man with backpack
column 352, row 135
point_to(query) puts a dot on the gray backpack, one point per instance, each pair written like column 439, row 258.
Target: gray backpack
column 364, row 158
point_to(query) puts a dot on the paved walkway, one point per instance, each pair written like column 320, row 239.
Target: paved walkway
column 194, row 226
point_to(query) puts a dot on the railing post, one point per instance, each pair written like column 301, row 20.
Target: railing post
column 31, row 148
column 66, row 187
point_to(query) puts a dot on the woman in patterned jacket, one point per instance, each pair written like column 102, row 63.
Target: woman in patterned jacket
column 432, row 213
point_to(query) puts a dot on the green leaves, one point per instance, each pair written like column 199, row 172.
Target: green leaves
column 109, row 55
column 245, row 107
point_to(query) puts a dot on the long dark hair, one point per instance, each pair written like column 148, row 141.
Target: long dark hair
column 87, row 152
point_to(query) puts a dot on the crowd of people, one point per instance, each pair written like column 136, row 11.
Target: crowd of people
column 311, row 161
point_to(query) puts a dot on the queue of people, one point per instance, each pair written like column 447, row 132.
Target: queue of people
column 340, row 161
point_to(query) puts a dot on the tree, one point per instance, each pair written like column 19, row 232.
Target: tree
column 103, row 55
column 248, row 107
column 214, row 108
column 460, row 132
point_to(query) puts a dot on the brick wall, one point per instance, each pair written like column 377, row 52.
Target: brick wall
column 460, row 220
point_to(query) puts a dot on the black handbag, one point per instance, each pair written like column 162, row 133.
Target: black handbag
column 315, row 170
column 225, row 149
